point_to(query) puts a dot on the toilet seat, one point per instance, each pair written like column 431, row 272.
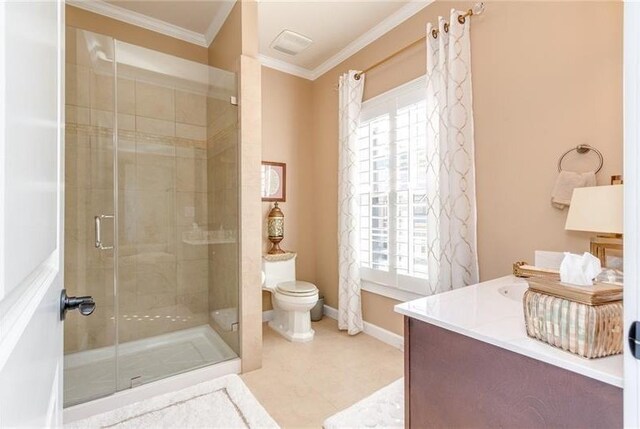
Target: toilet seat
column 296, row 289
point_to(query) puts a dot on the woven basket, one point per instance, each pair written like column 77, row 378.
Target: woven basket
column 590, row 331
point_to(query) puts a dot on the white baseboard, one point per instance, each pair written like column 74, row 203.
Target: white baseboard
column 330, row 312
column 267, row 316
column 375, row 331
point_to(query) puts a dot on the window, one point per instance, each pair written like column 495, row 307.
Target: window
column 392, row 165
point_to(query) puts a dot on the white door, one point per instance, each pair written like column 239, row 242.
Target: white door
column 31, row 172
column 632, row 205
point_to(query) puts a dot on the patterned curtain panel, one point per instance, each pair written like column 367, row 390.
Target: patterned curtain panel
column 451, row 215
column 349, row 303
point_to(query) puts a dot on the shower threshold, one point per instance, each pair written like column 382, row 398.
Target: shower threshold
column 91, row 374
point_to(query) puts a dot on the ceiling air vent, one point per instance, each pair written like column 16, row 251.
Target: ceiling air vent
column 290, row 43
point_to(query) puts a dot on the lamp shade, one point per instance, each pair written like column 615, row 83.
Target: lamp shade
column 596, row 209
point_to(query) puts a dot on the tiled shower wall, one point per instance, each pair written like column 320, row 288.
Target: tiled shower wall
column 169, row 180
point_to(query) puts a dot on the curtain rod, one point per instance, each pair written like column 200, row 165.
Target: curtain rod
column 477, row 9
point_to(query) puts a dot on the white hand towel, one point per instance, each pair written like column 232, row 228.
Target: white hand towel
column 579, row 269
column 566, row 182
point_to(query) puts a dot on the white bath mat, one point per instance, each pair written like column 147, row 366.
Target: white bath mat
column 382, row 409
column 225, row 402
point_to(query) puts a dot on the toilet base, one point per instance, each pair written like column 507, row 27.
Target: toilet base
column 292, row 316
column 292, row 336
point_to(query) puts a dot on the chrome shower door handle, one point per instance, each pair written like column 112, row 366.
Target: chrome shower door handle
column 98, row 231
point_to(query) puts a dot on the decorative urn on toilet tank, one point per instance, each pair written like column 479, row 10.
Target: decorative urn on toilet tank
column 275, row 229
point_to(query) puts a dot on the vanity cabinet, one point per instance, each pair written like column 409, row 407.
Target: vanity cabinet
column 455, row 381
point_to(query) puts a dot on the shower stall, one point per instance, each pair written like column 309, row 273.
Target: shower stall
column 151, row 215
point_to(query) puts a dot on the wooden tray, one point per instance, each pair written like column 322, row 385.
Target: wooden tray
column 548, row 282
column 522, row 269
column 598, row 294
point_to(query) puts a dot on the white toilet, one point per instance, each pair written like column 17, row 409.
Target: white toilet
column 292, row 300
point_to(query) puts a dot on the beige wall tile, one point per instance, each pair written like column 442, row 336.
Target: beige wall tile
column 150, row 146
column 191, row 152
column 191, row 132
column 127, row 284
column 186, row 251
column 156, row 280
column 77, row 85
column 155, row 172
column 102, row 169
column 102, row 91
column 126, row 122
column 191, row 108
column 193, row 276
column 77, row 165
column 191, row 207
column 155, row 126
column 127, row 176
column 154, row 101
column 102, row 118
column 221, row 115
column 193, row 306
column 126, row 96
column 154, row 217
column 191, row 175
column 77, row 115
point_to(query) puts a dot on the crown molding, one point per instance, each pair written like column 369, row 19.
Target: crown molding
column 134, row 18
column 285, row 67
column 218, row 21
column 388, row 24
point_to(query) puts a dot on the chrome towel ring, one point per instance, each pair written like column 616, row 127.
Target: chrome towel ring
column 581, row 149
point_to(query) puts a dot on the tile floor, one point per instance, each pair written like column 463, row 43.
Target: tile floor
column 301, row 385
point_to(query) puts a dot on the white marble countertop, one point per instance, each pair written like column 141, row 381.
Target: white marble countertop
column 492, row 312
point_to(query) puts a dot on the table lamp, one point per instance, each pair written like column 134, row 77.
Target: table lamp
column 598, row 209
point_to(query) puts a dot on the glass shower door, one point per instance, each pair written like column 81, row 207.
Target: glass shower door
column 89, row 342
column 166, row 240
column 166, row 285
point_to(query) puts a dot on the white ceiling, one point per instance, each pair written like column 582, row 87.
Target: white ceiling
column 331, row 25
column 338, row 28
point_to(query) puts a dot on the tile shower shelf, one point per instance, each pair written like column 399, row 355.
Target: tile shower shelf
column 208, row 237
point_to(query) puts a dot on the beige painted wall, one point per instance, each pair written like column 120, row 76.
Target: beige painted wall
column 288, row 137
column 226, row 48
column 80, row 18
column 542, row 84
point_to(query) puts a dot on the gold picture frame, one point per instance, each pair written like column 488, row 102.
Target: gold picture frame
column 609, row 250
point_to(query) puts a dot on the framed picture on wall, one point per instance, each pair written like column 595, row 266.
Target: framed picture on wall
column 274, row 181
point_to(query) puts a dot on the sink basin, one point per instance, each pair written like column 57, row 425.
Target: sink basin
column 514, row 291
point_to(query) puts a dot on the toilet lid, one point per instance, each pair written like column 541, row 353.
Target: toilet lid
column 296, row 288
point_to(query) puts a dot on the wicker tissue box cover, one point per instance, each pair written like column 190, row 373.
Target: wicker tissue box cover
column 591, row 331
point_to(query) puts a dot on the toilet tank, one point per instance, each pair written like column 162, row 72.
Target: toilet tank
column 278, row 271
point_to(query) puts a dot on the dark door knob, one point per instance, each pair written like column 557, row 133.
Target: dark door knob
column 85, row 304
